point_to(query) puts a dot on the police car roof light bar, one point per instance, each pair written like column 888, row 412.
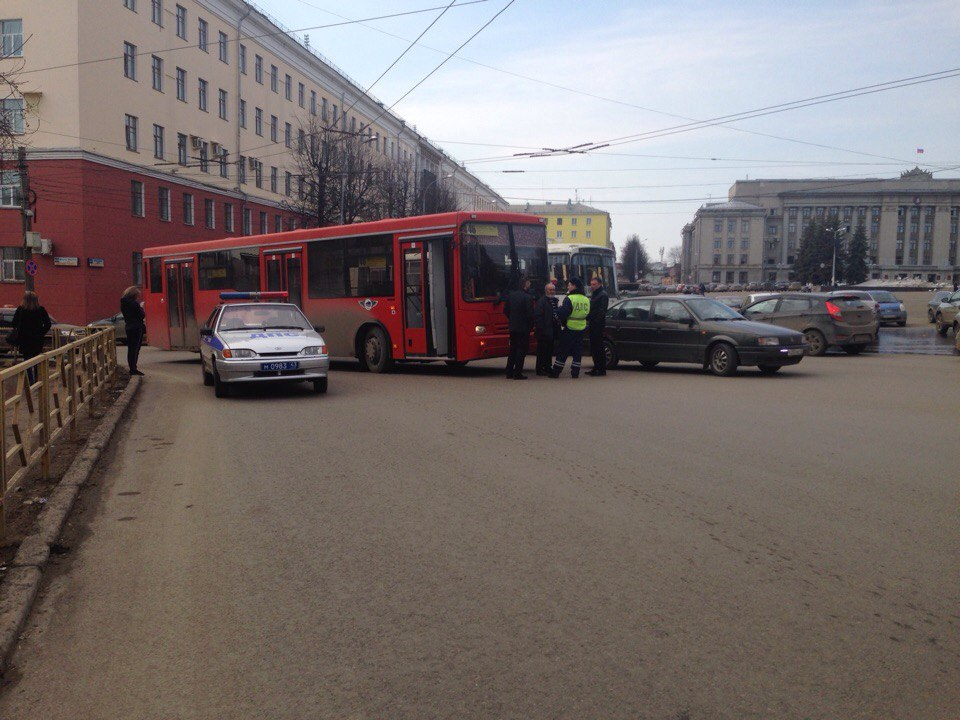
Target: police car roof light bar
column 272, row 295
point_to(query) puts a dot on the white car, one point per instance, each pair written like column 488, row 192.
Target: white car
column 261, row 342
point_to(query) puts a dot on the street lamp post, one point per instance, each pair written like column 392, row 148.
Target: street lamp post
column 837, row 231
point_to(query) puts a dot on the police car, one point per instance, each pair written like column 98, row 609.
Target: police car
column 261, row 342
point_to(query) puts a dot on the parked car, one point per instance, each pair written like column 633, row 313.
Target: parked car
column 867, row 300
column 696, row 329
column 891, row 309
column 794, row 287
column 945, row 315
column 938, row 296
column 732, row 301
column 753, row 297
column 825, row 319
column 66, row 331
column 116, row 322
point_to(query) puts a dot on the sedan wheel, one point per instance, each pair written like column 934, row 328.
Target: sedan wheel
column 942, row 327
column 610, row 351
column 723, row 360
column 816, row 342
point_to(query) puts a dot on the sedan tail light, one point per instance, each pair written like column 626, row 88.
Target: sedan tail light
column 834, row 311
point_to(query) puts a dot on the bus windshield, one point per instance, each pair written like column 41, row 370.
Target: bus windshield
column 494, row 255
column 585, row 265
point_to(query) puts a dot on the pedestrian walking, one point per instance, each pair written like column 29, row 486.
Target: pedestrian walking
column 135, row 325
column 596, row 321
column 518, row 307
column 31, row 323
column 573, row 318
column 547, row 321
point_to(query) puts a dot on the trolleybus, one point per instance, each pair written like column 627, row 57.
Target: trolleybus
column 585, row 262
column 418, row 288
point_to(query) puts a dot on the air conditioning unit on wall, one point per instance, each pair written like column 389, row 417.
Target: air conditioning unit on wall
column 196, row 142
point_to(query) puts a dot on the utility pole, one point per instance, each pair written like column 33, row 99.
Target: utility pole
column 26, row 213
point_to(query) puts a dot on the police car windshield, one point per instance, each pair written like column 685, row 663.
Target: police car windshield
column 262, row 317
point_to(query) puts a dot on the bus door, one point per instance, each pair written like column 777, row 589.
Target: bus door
column 415, row 299
column 182, row 320
column 440, row 288
column 283, row 270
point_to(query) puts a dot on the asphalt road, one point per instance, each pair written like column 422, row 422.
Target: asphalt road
column 433, row 544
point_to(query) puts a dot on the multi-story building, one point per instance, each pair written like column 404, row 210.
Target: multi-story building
column 911, row 224
column 572, row 222
column 163, row 121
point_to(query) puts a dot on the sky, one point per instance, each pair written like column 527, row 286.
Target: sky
column 560, row 73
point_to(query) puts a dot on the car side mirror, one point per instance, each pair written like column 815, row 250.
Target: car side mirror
column 320, row 328
column 691, row 322
column 206, row 331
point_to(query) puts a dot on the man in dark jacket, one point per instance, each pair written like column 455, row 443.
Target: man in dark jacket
column 519, row 309
column 597, row 320
column 547, row 320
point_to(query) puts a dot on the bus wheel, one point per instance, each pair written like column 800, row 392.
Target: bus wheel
column 376, row 356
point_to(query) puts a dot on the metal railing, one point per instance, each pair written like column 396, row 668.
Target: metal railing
column 42, row 398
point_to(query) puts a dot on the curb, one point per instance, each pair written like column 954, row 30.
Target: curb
column 19, row 587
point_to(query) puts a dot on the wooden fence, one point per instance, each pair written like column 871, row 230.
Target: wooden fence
column 42, row 398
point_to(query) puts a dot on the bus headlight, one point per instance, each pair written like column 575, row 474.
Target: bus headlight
column 480, row 329
column 314, row 350
column 239, row 353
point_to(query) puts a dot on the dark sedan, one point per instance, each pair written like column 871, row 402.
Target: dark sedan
column 697, row 330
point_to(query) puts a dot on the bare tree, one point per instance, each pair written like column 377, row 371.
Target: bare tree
column 673, row 256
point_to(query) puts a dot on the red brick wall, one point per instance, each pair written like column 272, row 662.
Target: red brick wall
column 85, row 209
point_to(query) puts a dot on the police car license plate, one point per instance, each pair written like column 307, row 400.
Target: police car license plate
column 795, row 351
column 278, row 366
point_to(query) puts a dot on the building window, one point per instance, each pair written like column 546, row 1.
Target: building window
column 187, row 209
column 11, row 115
column 274, row 78
column 242, row 170
column 222, row 43
column 258, row 173
column 258, row 121
column 9, row 188
column 588, row 233
column 288, row 87
column 131, row 132
column 301, row 140
column 228, row 217
column 13, row 265
column 209, row 214
column 573, row 221
column 163, row 202
column 263, row 223
column 336, row 117
column 273, row 179
column 156, row 73
column 136, row 259
column 273, row 128
column 130, row 4
column 301, row 95
column 224, row 163
column 136, row 198
column 731, row 226
column 258, row 69
column 202, row 94
column 222, row 104
column 313, row 102
column 202, row 34
column 130, row 61
column 158, row 142
column 181, row 22
column 743, row 259
column 559, row 234
column 247, row 221
column 156, row 12
column 242, row 113
column 204, row 157
column 744, row 244
column 181, row 149
column 181, row 84
column 288, row 135
column 287, row 183
column 559, row 221
column 717, row 244
column 323, row 110
column 242, row 58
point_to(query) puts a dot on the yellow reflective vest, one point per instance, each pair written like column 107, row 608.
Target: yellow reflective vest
column 578, row 315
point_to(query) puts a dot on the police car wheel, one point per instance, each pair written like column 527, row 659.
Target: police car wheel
column 207, row 377
column 320, row 386
column 220, row 388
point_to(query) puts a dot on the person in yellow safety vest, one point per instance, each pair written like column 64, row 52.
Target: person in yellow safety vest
column 573, row 319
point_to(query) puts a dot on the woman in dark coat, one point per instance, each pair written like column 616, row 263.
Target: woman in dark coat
column 134, row 323
column 31, row 323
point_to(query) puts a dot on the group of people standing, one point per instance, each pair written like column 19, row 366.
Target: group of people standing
column 559, row 328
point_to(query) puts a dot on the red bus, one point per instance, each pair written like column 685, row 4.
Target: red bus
column 417, row 288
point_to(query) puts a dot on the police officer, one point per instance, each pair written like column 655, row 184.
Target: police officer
column 597, row 320
column 547, row 321
column 573, row 318
column 519, row 309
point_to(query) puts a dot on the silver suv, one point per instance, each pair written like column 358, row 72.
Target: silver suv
column 946, row 314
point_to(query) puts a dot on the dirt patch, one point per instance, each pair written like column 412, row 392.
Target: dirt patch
column 24, row 502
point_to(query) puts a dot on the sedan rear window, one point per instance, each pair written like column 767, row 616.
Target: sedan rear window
column 847, row 301
column 884, row 297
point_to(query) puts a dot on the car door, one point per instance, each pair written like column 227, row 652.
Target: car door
column 676, row 339
column 634, row 328
column 761, row 311
column 793, row 313
column 950, row 309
